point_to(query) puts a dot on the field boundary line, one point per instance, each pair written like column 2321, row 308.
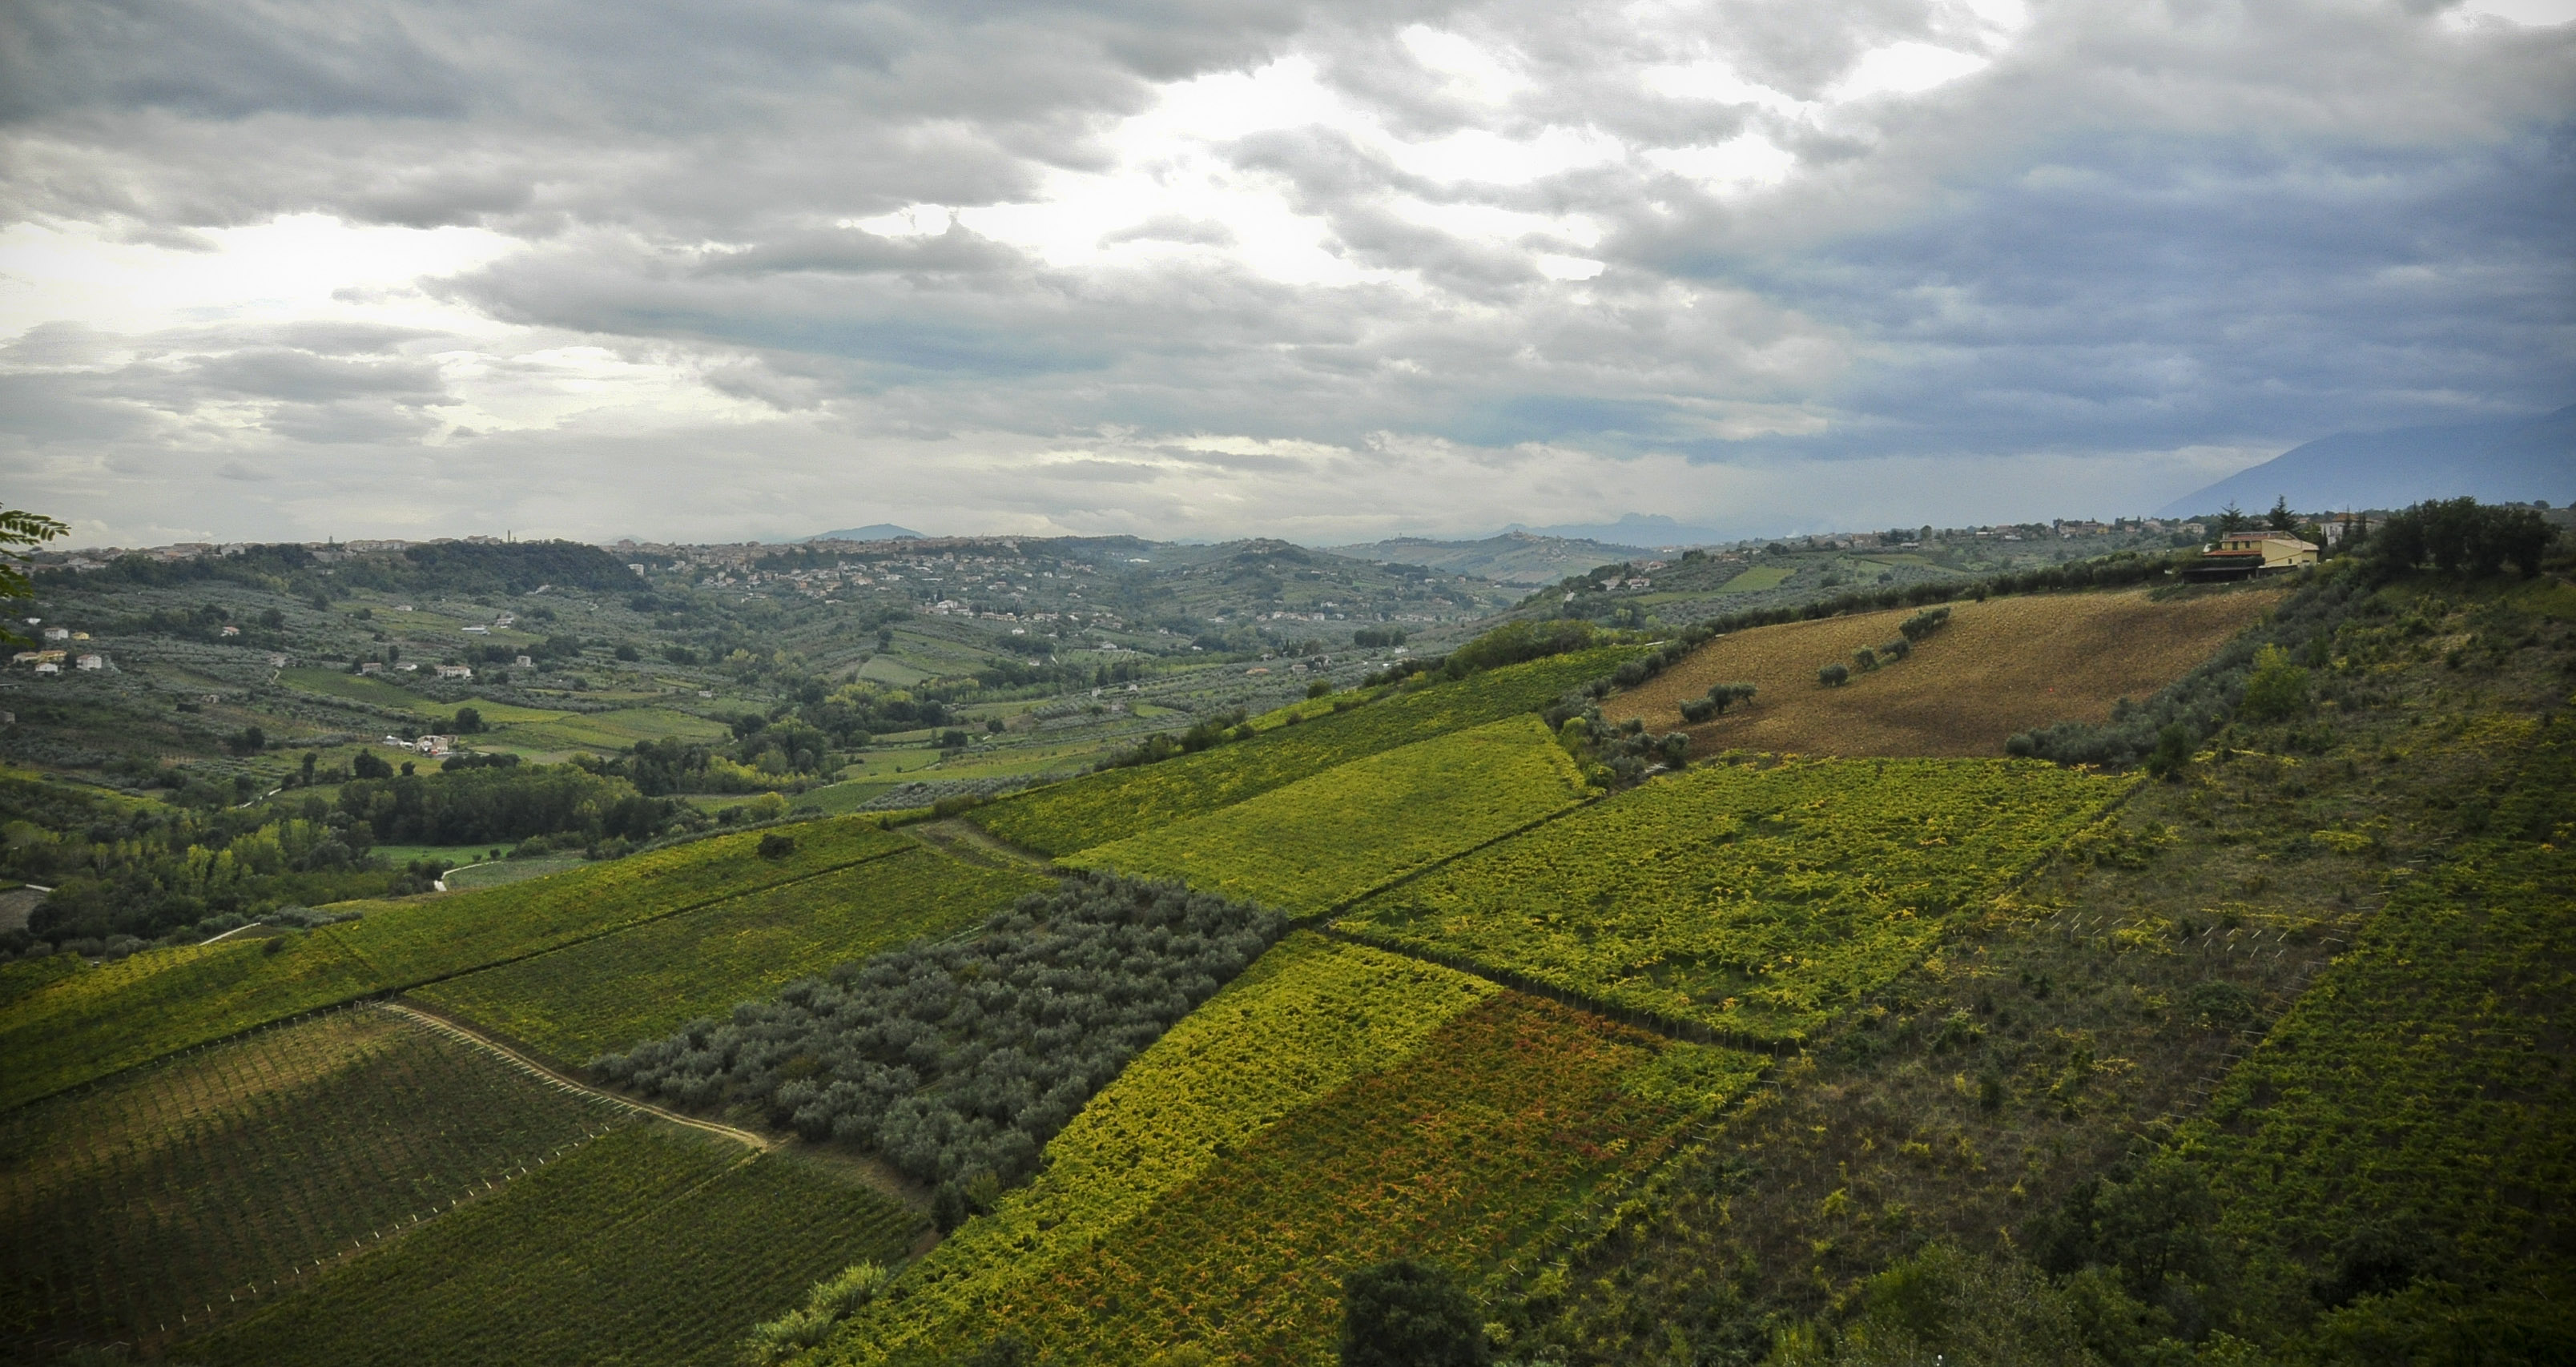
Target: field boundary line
column 623, row 926
column 1340, row 907
column 432, row 1020
column 385, row 991
column 1686, row 1032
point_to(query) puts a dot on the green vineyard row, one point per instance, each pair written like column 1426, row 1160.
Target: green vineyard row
column 1315, row 844
column 155, row 1003
column 1742, row 900
column 647, row 981
column 1117, row 803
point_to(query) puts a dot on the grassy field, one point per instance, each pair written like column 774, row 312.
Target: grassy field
column 1117, row 803
column 1748, row 900
column 2001, row 666
column 575, row 1003
column 650, row 1247
column 354, row 687
column 164, row 1000
column 190, row 1188
column 495, row 874
column 1758, row 578
column 607, row 732
column 1320, row 842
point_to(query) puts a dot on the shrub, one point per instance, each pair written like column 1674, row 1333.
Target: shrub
column 1409, row 1314
column 2172, row 752
column 1865, row 659
column 776, row 846
column 1833, row 676
column 1924, row 623
column 2277, row 690
column 1321, row 688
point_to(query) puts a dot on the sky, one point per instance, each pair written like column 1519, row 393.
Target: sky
column 289, row 269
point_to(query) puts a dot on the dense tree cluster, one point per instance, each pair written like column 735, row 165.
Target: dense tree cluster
column 483, row 805
column 2460, row 536
column 957, row 1061
column 146, row 871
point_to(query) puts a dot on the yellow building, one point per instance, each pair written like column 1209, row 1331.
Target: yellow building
column 2264, row 550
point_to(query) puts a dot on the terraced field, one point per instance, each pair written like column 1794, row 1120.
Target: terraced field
column 2001, row 666
column 199, row 1187
column 1320, row 842
column 641, row 983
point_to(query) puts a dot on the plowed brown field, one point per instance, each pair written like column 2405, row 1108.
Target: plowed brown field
column 2000, row 666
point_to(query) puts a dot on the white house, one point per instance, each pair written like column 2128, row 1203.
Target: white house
column 90, row 662
column 58, row 633
column 372, row 667
column 48, row 667
column 434, row 746
column 456, row 671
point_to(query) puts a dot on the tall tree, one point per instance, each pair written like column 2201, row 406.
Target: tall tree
column 2281, row 519
column 20, row 531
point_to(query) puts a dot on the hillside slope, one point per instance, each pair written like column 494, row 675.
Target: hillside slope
column 2000, row 666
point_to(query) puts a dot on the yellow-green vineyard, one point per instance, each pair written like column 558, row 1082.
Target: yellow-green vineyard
column 2247, row 1048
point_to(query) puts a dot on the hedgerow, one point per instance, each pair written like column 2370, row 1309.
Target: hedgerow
column 957, row 1061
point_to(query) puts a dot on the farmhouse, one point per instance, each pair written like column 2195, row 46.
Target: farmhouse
column 2247, row 554
column 456, row 671
column 91, row 662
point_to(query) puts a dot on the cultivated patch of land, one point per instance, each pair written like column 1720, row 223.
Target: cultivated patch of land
column 1998, row 667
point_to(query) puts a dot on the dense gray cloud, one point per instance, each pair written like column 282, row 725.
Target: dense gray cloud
column 1208, row 269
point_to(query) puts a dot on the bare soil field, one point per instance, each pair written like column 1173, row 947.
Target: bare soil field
column 2000, row 666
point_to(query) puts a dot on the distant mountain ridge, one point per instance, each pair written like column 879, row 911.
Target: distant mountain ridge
column 1637, row 530
column 881, row 531
column 2516, row 460
column 1514, row 557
